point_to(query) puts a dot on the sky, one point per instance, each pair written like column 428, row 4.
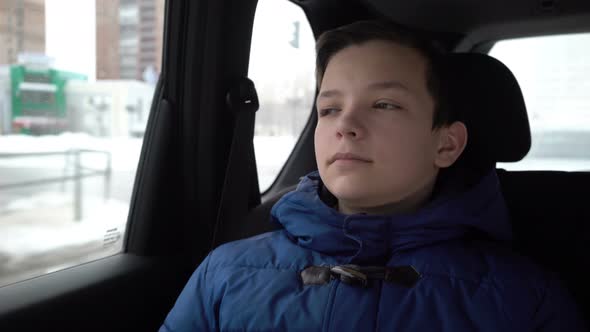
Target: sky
column 71, row 35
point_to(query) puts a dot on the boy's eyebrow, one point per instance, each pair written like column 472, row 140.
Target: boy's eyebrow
column 329, row 93
column 389, row 85
column 376, row 85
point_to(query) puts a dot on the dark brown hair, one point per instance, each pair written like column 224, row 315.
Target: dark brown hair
column 357, row 33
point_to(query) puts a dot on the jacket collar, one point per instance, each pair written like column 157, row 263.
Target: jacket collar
column 360, row 238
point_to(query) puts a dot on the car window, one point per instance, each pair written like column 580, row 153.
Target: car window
column 282, row 62
column 76, row 84
column 554, row 75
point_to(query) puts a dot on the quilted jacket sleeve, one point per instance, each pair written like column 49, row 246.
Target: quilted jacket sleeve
column 194, row 308
column 558, row 311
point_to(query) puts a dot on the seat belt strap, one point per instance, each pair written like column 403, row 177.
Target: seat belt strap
column 240, row 191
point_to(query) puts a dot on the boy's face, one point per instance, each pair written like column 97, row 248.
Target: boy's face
column 374, row 141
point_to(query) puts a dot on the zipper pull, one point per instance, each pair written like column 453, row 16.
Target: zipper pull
column 316, row 275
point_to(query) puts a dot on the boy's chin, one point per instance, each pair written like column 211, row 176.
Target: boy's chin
column 349, row 186
column 348, row 190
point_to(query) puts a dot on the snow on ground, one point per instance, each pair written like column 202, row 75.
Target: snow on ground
column 38, row 235
column 46, row 222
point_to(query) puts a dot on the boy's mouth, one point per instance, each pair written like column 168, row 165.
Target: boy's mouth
column 347, row 156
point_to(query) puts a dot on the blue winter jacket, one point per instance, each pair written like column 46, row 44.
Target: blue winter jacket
column 469, row 279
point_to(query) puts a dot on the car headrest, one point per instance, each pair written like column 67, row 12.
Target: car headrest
column 490, row 103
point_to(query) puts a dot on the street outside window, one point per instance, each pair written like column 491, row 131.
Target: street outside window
column 76, row 86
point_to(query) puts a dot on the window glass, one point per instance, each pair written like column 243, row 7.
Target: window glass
column 74, row 101
column 554, row 75
column 282, row 64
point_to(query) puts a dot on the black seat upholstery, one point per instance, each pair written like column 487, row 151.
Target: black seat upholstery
column 551, row 223
column 549, row 210
column 488, row 98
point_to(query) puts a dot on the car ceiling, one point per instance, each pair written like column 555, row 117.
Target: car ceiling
column 464, row 16
column 473, row 21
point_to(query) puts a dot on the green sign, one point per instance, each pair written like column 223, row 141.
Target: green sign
column 38, row 95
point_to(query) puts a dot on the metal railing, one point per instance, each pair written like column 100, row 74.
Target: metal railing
column 72, row 158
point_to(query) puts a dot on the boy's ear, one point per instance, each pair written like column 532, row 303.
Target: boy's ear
column 452, row 142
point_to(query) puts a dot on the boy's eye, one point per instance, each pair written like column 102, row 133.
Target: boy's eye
column 386, row 106
column 327, row 111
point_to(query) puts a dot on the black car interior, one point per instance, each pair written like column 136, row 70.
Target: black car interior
column 197, row 188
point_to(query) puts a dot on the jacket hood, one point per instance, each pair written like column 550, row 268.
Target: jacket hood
column 363, row 239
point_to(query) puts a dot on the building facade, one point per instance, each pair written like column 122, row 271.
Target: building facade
column 107, row 39
column 129, row 37
column 22, row 29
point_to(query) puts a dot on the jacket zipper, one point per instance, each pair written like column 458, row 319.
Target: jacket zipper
column 328, row 313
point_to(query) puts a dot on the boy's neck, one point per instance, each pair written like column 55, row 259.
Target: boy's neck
column 408, row 205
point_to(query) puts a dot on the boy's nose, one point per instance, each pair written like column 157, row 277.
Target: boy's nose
column 349, row 132
column 350, row 126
